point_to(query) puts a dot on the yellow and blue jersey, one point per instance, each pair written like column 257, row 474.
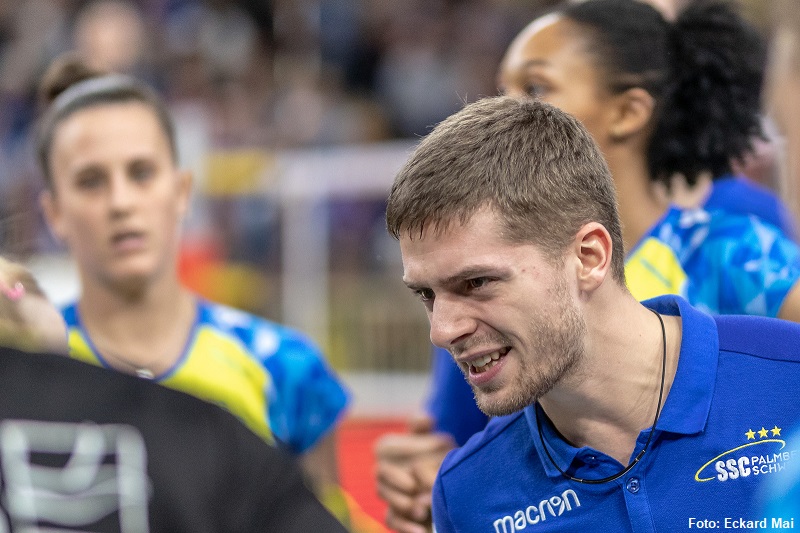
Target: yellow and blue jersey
column 270, row 376
column 739, row 195
column 722, row 264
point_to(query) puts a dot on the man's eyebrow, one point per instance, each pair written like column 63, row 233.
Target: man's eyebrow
column 464, row 274
column 473, row 272
column 413, row 286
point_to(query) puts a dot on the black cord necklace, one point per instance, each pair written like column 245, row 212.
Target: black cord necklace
column 649, row 437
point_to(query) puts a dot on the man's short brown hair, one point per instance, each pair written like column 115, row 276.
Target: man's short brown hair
column 533, row 164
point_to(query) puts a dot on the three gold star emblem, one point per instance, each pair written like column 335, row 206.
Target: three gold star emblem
column 763, row 432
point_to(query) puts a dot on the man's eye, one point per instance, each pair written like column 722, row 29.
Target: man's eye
column 477, row 283
column 425, row 295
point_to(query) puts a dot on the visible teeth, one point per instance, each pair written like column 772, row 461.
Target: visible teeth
column 483, row 361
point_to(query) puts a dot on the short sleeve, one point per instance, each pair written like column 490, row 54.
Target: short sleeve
column 744, row 266
column 306, row 397
column 742, row 196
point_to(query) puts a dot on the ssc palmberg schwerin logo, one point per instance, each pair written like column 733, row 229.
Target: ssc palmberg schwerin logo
column 762, row 452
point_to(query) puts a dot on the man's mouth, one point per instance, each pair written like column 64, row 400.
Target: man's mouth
column 482, row 364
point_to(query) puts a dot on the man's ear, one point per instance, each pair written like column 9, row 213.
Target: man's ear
column 52, row 214
column 593, row 249
column 632, row 113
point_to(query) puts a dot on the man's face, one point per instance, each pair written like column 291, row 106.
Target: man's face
column 504, row 311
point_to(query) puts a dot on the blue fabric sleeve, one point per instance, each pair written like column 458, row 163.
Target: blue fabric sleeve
column 451, row 403
column 306, row 399
column 744, row 265
column 739, row 195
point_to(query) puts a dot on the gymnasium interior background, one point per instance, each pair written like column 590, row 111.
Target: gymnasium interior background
column 294, row 116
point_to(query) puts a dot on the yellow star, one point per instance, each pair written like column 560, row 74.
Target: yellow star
column 776, row 431
column 763, row 433
column 750, row 434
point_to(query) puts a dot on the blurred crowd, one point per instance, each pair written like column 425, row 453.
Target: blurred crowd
column 255, row 73
column 267, row 76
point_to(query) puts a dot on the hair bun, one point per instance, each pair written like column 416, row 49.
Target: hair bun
column 718, row 74
column 65, row 71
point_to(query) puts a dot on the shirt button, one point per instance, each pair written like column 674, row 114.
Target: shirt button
column 633, row 485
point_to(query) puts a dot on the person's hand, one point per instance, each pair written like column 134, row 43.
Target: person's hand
column 407, row 465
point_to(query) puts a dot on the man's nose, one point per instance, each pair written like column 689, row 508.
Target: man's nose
column 451, row 322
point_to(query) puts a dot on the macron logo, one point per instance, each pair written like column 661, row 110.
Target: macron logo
column 554, row 506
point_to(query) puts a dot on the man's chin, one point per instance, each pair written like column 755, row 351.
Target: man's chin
column 496, row 403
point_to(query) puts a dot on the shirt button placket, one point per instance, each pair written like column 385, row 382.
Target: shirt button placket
column 638, row 505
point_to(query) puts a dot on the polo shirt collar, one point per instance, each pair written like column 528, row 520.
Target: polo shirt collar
column 689, row 402
column 562, row 453
column 687, row 406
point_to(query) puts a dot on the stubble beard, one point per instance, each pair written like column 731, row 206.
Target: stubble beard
column 557, row 344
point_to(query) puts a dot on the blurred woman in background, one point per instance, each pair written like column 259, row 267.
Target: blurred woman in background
column 116, row 198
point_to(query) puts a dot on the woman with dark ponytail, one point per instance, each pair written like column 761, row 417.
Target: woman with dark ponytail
column 664, row 99
column 701, row 75
column 661, row 99
column 708, row 93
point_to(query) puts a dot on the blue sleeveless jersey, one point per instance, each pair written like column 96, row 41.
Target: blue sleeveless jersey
column 270, row 376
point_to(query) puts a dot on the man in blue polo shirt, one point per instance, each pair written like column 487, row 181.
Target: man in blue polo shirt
column 608, row 413
column 719, row 436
